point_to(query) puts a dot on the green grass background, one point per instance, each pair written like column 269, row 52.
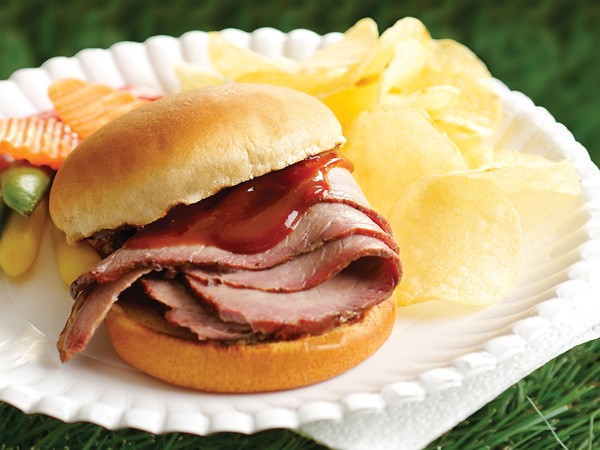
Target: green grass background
column 550, row 50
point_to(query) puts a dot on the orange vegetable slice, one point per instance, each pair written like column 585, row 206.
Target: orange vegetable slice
column 86, row 106
column 39, row 140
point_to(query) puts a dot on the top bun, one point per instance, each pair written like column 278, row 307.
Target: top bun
column 182, row 149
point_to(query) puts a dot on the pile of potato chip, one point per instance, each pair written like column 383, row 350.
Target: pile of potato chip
column 417, row 113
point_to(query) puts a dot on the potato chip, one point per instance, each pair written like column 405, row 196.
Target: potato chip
column 437, row 99
column 348, row 103
column 312, row 84
column 341, row 65
column 460, row 241
column 392, row 146
column 431, row 99
column 233, row 61
column 434, row 100
column 475, row 150
column 503, row 158
column 332, row 69
column 452, row 60
column 541, row 190
column 193, row 77
column 406, row 28
column 406, row 65
column 354, row 49
column 448, row 63
column 537, row 209
column 477, row 109
column 400, row 55
column 541, row 176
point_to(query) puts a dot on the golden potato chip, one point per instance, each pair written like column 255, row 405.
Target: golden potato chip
column 475, row 150
column 503, row 158
column 437, row 99
column 398, row 55
column 539, row 208
column 341, row 65
column 541, row 176
column 475, row 113
column 348, row 103
column 332, row 69
column 354, row 49
column 393, row 145
column 477, row 109
column 316, row 84
column 193, row 77
column 431, row 99
column 406, row 65
column 460, row 241
column 233, row 61
column 451, row 60
column 448, row 63
column 406, row 28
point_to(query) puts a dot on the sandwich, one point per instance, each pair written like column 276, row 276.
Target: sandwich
column 239, row 254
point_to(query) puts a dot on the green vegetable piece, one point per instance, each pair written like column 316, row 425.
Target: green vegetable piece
column 24, row 185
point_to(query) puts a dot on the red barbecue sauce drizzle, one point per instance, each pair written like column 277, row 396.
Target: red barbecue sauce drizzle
column 250, row 217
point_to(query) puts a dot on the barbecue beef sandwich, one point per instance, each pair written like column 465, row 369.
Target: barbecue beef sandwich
column 239, row 253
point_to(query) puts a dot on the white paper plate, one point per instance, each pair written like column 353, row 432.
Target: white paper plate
column 435, row 352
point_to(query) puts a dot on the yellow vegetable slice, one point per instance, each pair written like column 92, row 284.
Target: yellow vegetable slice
column 72, row 260
column 21, row 239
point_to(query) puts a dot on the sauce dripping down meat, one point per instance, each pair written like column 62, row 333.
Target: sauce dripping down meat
column 250, row 217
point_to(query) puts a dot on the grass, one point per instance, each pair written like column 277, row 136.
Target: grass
column 555, row 407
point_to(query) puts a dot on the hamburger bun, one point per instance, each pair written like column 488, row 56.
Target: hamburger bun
column 182, row 149
column 145, row 340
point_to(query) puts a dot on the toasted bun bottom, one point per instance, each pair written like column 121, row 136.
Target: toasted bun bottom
column 144, row 341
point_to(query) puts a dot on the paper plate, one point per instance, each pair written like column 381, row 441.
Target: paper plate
column 441, row 363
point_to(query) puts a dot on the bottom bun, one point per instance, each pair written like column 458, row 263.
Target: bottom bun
column 143, row 339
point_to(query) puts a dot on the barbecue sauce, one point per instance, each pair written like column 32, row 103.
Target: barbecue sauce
column 250, row 217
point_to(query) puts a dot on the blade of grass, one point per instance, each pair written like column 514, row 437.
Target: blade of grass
column 550, row 427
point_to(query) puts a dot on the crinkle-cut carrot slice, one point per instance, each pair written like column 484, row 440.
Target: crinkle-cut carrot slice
column 41, row 141
column 87, row 106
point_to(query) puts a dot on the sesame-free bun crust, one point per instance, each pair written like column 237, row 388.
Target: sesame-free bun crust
column 143, row 339
column 182, row 149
